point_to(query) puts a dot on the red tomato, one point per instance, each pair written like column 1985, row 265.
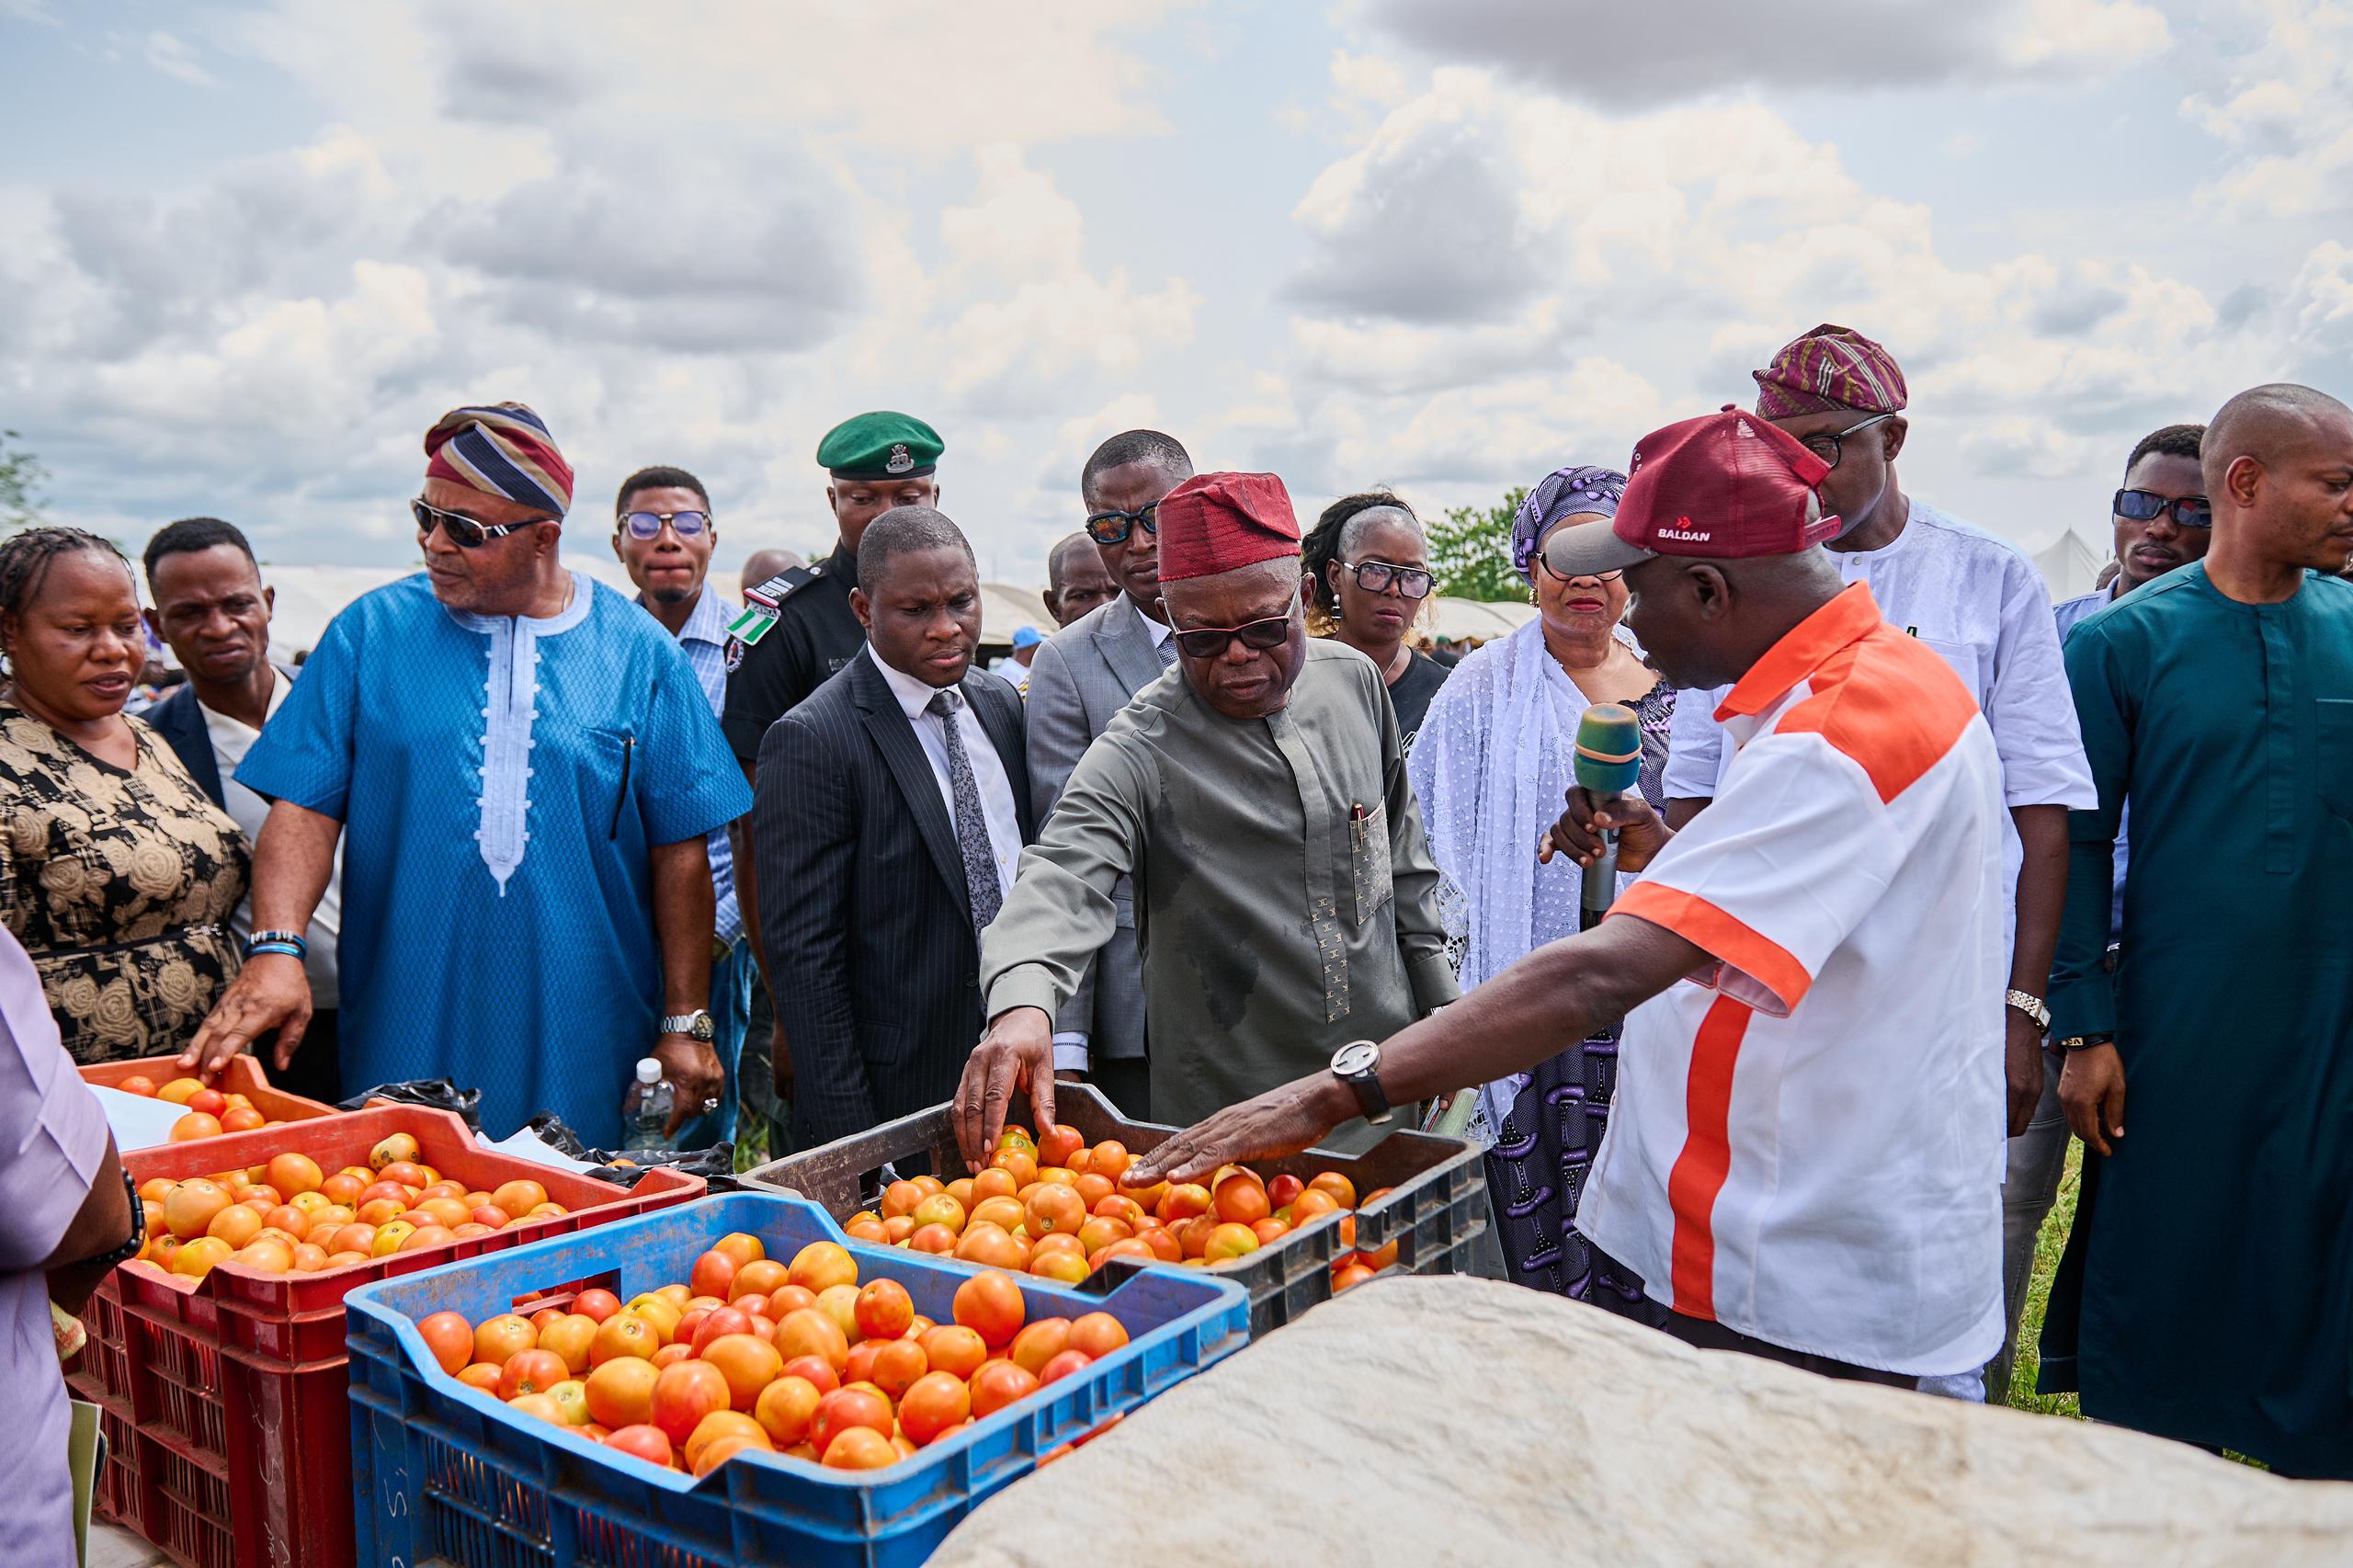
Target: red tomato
column 885, row 1309
column 815, row 1371
column 1064, row 1365
column 998, row 1384
column 1040, row 1342
column 451, row 1339
column 713, row 1272
column 687, row 1392
column 990, row 1304
column 1098, row 1333
column 898, row 1364
column 1283, row 1188
column 646, row 1442
column 532, row 1371
column 845, row 1408
column 717, row 1322
column 933, row 1403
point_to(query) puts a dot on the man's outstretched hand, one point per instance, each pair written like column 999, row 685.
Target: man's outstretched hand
column 270, row 998
column 1297, row 1114
column 1017, row 1053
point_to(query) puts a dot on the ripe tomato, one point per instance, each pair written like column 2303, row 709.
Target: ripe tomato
column 1281, row 1189
column 858, row 1448
column 898, row 1365
column 814, row 1371
column 758, row 1278
column 933, row 1403
column 1067, row 1265
column 353, row 1237
column 1020, row 1166
column 1350, row 1272
column 687, row 1392
column 1052, row 1210
column 713, row 1324
column 885, row 1309
column 1229, row 1241
column 451, row 1339
column 291, row 1173
column 192, row 1126
column 998, row 1384
column 808, row 1332
column 570, row 1336
column 712, row 1274
column 1242, row 1200
column 138, row 1083
column 621, row 1392
column 1270, row 1231
column 671, row 1354
column 212, row 1102
column 643, row 1441
column 596, row 1304
column 845, row 1408
column 901, row 1198
column 748, row 1363
column 624, row 1333
column 530, row 1372
column 992, row 1182
column 1098, row 1333
column 936, row 1239
column 784, row 1408
column 1163, row 1243
column 1005, row 1213
column 342, row 1187
column 1101, row 1231
column 954, row 1348
column 421, row 1238
column 991, row 1247
column 1057, row 1141
column 539, row 1406
column 741, row 1246
column 518, row 1197
column 839, row 1302
column 785, row 1299
column 1184, row 1201
column 480, row 1375
column 1311, row 1204
column 821, row 1265
column 1342, row 1190
column 505, row 1336
column 721, row 1434
column 866, row 1228
column 990, row 1303
column 235, row 1224
column 1039, row 1342
column 859, row 1368
column 1064, row 1365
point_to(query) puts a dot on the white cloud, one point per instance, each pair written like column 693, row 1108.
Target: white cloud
column 1642, row 55
column 2287, row 108
column 176, row 59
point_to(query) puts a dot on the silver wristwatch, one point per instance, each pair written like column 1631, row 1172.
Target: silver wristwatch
column 2031, row 1005
column 698, row 1024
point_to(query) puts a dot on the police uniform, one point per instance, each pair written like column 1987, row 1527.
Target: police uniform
column 797, row 629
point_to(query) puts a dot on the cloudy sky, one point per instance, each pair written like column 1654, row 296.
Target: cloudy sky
column 1441, row 244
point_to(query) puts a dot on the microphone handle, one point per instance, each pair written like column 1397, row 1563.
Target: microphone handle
column 1600, row 889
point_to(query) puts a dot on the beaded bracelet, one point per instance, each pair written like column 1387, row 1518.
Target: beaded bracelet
column 288, row 942
column 255, row 950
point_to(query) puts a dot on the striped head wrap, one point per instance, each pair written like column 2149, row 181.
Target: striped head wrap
column 500, row 449
column 1561, row 493
column 1829, row 367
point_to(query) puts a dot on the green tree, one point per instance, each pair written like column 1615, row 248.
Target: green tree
column 21, row 477
column 1470, row 552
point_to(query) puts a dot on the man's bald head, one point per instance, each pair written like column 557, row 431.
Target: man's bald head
column 2278, row 462
column 1076, row 579
column 764, row 564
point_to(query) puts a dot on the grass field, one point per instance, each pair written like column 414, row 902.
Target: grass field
column 2047, row 1248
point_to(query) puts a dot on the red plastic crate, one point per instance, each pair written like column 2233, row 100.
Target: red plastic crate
column 243, row 1075
column 117, row 1497
column 238, row 1381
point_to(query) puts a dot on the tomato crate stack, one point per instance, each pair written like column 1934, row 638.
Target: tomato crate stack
column 243, row 1075
column 237, row 1381
column 1434, row 1210
column 448, row 1475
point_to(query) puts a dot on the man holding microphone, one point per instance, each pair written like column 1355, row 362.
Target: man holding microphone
column 1805, row 1159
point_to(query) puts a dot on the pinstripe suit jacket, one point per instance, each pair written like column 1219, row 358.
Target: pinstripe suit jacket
column 864, row 912
column 1083, row 674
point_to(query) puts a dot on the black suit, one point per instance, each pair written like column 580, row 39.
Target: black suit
column 180, row 722
column 864, row 915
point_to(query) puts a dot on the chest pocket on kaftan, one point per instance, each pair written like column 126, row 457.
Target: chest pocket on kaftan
column 2333, row 753
column 1369, row 856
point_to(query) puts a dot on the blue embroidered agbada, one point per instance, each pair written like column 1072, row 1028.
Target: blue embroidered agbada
column 500, row 780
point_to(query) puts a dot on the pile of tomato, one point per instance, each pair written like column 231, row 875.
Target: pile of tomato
column 211, row 1112
column 750, row 1354
column 1050, row 1206
column 290, row 1215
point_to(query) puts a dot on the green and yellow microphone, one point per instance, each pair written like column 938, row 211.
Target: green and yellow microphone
column 1609, row 766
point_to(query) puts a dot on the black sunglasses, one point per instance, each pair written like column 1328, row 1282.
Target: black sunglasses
column 466, row 533
column 648, row 524
column 1830, row 446
column 2147, row 506
column 1209, row 642
column 1113, row 528
column 1375, row 577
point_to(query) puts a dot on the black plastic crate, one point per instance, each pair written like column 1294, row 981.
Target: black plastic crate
column 1436, row 1208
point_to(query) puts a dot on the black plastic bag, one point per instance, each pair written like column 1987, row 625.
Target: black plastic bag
column 438, row 1094
column 715, row 1165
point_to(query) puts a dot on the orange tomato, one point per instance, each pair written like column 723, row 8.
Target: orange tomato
column 845, row 1408
column 1311, row 1204
column 859, row 1368
column 1039, row 1342
column 1057, row 1141
column 310, row 1258
column 702, row 1325
column 1184, row 1201
column 898, row 1228
column 570, row 1336
column 784, row 1408
column 194, row 1125
column 290, row 1174
column 686, row 1393
column 858, row 1448
column 671, row 1354
column 805, row 1331
column 621, row 1392
column 1098, row 1333
column 497, row 1339
column 241, row 1119
column 821, row 1265
column 721, row 1434
column 1229, row 1241
column 178, row 1090
column 901, row 1198
column 624, row 1333
column 741, row 1246
column 1062, row 1366
column 748, row 1363
column 1342, row 1190
column 451, row 1339
column 353, row 1237
column 898, row 1364
column 954, row 1347
column 480, row 1375
column 596, row 1304
column 992, row 1182
column 885, row 1309
column 342, row 1187
column 1270, row 1231
column 197, row 1258
column 787, row 1299
column 866, row 1228
column 1350, row 1272
column 424, row 1236
column 932, row 1405
column 1242, row 1200
column 235, row 1224
column 1055, row 1208
column 1016, row 1164
column 759, row 1278
column 1101, row 1231
column 138, row 1083
column 643, row 1441
column 814, row 1371
column 937, row 1210
column 517, row 1196
column 713, row 1274
column 998, row 1384
column 1163, row 1243
column 1067, row 1264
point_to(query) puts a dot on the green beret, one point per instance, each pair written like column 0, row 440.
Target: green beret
column 879, row 445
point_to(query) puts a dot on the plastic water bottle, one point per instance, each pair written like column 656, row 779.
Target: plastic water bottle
column 645, row 1109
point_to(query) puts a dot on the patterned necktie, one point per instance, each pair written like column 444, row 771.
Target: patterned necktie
column 1166, row 649
column 972, row 824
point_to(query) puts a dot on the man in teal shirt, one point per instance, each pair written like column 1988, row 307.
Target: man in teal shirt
column 2220, row 699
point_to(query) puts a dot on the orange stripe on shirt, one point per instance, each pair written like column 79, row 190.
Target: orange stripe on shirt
column 1722, row 936
column 1891, row 704
column 1698, row 1176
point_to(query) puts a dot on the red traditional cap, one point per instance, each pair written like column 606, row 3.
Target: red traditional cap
column 500, row 449
column 1832, row 367
column 1216, row 522
column 1727, row 485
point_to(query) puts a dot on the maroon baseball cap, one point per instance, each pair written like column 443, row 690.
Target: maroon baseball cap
column 1724, row 485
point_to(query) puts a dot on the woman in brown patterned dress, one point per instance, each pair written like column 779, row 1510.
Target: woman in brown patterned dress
column 116, row 872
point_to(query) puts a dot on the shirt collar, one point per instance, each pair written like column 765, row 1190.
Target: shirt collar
column 913, row 696
column 1158, row 631
column 1804, row 649
column 706, row 623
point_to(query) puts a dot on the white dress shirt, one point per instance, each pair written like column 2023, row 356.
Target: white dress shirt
column 232, row 738
column 1002, row 817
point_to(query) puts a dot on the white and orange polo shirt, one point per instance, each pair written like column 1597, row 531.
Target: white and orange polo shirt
column 1807, row 1140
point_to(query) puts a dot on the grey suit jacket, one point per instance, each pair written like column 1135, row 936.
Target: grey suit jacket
column 1083, row 674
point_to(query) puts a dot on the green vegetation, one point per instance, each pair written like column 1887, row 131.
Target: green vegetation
column 21, row 477
column 1470, row 552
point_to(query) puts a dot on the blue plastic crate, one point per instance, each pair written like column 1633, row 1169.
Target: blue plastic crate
column 442, row 1473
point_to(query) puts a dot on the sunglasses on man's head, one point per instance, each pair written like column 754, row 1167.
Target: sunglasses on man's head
column 1112, row 527
column 648, row 524
column 2144, row 506
column 1210, row 641
column 466, row 533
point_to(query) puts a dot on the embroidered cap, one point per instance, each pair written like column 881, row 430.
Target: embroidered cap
column 500, row 449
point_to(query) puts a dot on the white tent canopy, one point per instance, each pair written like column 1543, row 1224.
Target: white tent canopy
column 2069, row 563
